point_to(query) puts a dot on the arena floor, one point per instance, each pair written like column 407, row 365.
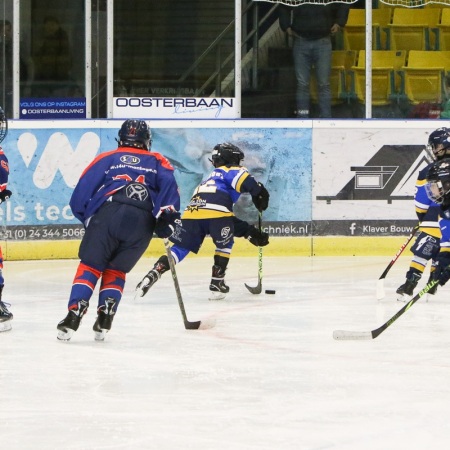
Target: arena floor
column 266, row 375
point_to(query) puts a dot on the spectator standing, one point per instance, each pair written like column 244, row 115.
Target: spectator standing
column 312, row 28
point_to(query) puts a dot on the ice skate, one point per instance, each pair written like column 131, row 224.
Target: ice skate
column 406, row 291
column 105, row 316
column 161, row 266
column 5, row 317
column 218, row 288
column 72, row 321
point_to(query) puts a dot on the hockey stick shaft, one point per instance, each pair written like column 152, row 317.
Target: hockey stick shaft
column 399, row 252
column 380, row 282
column 188, row 325
column 365, row 335
column 258, row 288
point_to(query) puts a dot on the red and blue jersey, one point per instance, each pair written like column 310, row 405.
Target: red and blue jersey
column 4, row 170
column 109, row 172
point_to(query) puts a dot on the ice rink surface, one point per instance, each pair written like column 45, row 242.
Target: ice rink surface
column 268, row 375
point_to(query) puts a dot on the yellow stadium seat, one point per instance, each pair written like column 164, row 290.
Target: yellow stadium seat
column 385, row 85
column 443, row 31
column 341, row 61
column 424, row 75
column 410, row 28
column 354, row 32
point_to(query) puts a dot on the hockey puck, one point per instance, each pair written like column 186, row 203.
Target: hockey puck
column 268, row 291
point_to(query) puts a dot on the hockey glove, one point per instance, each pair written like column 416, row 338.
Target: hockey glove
column 165, row 224
column 4, row 195
column 261, row 200
column 257, row 238
column 442, row 271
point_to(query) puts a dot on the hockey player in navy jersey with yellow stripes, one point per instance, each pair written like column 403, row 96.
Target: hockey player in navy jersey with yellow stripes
column 210, row 212
column 426, row 245
column 122, row 197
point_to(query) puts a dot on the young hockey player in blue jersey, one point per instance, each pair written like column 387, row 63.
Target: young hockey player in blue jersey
column 438, row 189
column 122, row 197
column 426, row 245
column 210, row 212
column 5, row 315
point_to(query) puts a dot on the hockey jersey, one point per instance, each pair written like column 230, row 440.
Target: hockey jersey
column 427, row 211
column 111, row 171
column 216, row 195
column 4, row 170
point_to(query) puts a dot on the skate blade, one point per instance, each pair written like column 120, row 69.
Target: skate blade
column 216, row 296
column 65, row 335
column 5, row 326
column 100, row 335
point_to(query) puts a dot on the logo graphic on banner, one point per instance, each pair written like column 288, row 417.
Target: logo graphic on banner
column 385, row 175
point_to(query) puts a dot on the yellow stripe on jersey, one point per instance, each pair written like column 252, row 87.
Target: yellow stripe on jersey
column 205, row 214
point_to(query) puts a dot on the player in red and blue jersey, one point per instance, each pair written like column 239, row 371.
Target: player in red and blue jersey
column 122, row 197
column 5, row 315
column 210, row 212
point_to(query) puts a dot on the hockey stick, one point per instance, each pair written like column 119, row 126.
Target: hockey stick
column 380, row 282
column 258, row 288
column 188, row 325
column 342, row 335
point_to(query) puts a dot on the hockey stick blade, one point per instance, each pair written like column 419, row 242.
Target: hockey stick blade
column 255, row 290
column 365, row 335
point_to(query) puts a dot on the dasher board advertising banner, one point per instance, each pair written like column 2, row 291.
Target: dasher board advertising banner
column 46, row 159
column 175, row 107
column 365, row 174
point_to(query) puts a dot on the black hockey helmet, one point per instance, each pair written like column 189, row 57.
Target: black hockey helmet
column 437, row 148
column 438, row 182
column 135, row 133
column 3, row 125
column 226, row 154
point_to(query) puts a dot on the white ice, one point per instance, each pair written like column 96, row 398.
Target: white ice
column 268, row 375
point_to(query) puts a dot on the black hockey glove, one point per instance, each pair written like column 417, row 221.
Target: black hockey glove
column 4, row 195
column 257, row 238
column 261, row 200
column 165, row 224
column 442, row 271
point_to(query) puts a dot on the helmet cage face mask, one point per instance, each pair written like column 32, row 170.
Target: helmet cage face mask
column 438, row 182
column 435, row 191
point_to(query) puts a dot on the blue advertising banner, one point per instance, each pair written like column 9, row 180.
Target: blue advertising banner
column 46, row 162
column 53, row 108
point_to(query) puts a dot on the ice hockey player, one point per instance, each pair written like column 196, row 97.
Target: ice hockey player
column 122, row 197
column 210, row 212
column 438, row 189
column 426, row 245
column 5, row 315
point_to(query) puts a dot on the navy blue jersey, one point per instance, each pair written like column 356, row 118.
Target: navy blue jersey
column 427, row 211
column 216, row 196
column 112, row 171
column 4, row 170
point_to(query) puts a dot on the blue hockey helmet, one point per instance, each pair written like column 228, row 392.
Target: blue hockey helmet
column 438, row 182
column 135, row 133
column 438, row 143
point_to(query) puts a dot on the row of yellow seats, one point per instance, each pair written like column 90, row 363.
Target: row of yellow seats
column 415, row 75
column 399, row 29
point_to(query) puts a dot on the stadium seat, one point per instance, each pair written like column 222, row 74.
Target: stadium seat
column 424, row 75
column 386, row 85
column 341, row 62
column 354, row 32
column 410, row 28
column 442, row 31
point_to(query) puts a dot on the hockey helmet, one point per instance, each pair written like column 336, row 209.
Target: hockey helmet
column 135, row 133
column 438, row 144
column 226, row 154
column 438, row 182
